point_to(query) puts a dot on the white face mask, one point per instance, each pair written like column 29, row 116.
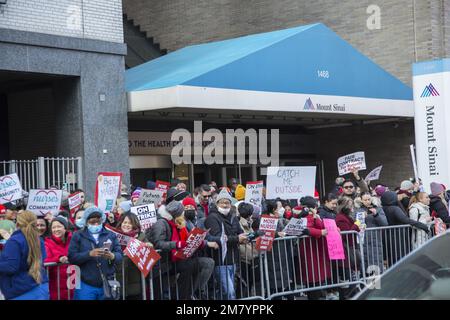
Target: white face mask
column 224, row 211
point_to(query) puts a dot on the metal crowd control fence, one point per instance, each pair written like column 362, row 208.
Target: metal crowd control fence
column 44, row 172
column 295, row 266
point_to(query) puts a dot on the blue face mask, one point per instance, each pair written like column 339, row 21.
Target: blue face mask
column 95, row 229
column 79, row 223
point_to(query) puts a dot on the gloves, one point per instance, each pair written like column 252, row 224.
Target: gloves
column 181, row 244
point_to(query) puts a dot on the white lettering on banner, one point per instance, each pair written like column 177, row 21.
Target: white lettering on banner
column 352, row 161
column 42, row 202
column 290, row 182
column 10, row 188
column 432, row 121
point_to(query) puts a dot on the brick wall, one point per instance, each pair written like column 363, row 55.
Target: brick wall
column 89, row 19
column 410, row 29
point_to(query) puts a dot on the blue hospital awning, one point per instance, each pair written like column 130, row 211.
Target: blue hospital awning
column 302, row 69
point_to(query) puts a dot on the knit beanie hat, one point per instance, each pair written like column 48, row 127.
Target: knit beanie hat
column 308, row 202
column 189, row 201
column 125, row 205
column 436, row 188
column 239, row 193
column 406, row 185
column 223, row 195
column 175, row 209
column 151, row 185
column 379, row 190
column 61, row 220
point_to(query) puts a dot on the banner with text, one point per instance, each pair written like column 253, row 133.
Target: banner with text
column 42, row 202
column 193, row 242
column 254, row 192
column 107, row 190
column 146, row 215
column 334, row 240
column 143, row 257
column 268, row 225
column 352, row 161
column 148, row 196
column 10, row 188
column 290, row 182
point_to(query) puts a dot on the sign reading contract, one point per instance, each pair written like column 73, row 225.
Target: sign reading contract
column 296, row 226
column 269, row 226
column 148, row 196
column 143, row 257
column 253, row 192
column 42, row 202
column 350, row 162
column 146, row 215
column 107, row 189
column 10, row 188
column 193, row 242
column 290, row 182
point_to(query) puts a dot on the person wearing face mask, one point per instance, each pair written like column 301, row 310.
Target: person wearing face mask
column 222, row 219
column 190, row 213
column 57, row 247
column 96, row 251
column 79, row 221
column 169, row 234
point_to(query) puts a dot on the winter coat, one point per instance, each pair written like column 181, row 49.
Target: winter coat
column 56, row 249
column 439, row 208
column 397, row 240
column 373, row 239
column 247, row 251
column 313, row 253
column 419, row 212
column 230, row 223
column 326, row 213
column 14, row 277
column 350, row 241
column 81, row 244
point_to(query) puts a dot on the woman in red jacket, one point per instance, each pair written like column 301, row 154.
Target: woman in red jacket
column 352, row 262
column 57, row 247
column 314, row 260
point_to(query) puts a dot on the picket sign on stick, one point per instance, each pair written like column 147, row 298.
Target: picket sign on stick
column 348, row 163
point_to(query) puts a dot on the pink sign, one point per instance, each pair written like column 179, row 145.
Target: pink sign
column 334, row 240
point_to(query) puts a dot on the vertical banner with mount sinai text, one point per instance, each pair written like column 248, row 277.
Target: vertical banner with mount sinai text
column 432, row 120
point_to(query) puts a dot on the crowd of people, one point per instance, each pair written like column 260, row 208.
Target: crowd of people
column 41, row 254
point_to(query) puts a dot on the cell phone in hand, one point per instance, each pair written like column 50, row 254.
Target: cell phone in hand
column 107, row 245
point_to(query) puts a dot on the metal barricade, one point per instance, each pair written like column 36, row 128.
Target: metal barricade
column 56, row 273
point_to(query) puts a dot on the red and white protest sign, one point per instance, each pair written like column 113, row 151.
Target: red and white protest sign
column 75, row 202
column 193, row 242
column 253, row 192
column 123, row 239
column 269, row 226
column 143, row 257
column 334, row 240
column 107, row 190
column 146, row 215
column 162, row 186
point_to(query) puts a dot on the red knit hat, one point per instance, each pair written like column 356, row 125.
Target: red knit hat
column 189, row 201
column 2, row 210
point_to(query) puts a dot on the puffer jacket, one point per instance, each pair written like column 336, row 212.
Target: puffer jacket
column 419, row 212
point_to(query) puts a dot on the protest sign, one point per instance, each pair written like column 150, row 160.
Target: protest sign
column 75, row 202
column 43, row 201
column 352, row 161
column 374, row 174
column 269, row 226
column 295, row 227
column 162, row 186
column 123, row 239
column 143, row 257
column 334, row 240
column 290, row 182
column 439, row 226
column 10, row 188
column 253, row 192
column 148, row 196
column 146, row 215
column 107, row 190
column 193, row 242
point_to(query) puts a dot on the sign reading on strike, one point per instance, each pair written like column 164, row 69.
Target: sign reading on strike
column 334, row 240
column 352, row 161
column 269, row 226
column 148, row 196
column 253, row 192
column 42, row 202
column 75, row 202
column 290, row 182
column 193, row 242
column 143, row 257
column 10, row 188
column 295, row 227
column 146, row 215
column 107, row 190
column 123, row 239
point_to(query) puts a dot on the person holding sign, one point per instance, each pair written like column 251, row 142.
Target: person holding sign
column 169, row 234
column 374, row 217
column 313, row 253
column 349, row 187
column 22, row 272
column 225, row 229
column 96, row 251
